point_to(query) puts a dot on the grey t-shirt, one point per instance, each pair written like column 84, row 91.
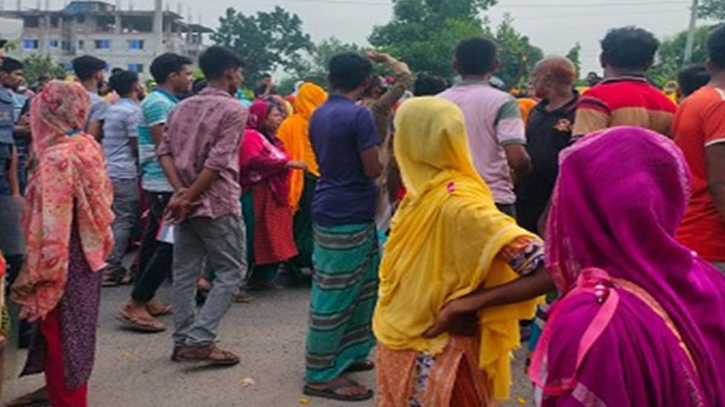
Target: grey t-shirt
column 119, row 127
column 98, row 109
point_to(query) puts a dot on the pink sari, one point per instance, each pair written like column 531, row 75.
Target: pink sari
column 642, row 319
column 70, row 183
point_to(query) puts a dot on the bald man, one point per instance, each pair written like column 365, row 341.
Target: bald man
column 548, row 131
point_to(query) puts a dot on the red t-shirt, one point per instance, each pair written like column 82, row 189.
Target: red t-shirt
column 699, row 123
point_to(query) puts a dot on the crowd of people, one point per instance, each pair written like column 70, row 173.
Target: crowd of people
column 437, row 220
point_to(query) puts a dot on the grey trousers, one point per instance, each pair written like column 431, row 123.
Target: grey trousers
column 126, row 200
column 221, row 242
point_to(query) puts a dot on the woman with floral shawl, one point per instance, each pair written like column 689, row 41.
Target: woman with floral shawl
column 447, row 241
column 67, row 226
column 264, row 174
column 294, row 134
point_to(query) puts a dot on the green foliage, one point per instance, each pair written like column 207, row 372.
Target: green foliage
column 712, row 9
column 41, row 64
column 424, row 34
column 574, row 55
column 516, row 54
column 265, row 41
column 670, row 57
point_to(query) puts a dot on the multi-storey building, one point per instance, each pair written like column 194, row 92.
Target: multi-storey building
column 127, row 39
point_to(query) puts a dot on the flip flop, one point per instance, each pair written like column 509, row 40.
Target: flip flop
column 140, row 324
column 329, row 392
column 365, row 366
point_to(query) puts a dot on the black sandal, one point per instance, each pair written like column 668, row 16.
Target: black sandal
column 330, row 391
column 365, row 366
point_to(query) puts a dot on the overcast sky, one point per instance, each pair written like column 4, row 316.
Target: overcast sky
column 553, row 25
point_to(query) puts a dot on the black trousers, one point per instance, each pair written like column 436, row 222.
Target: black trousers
column 155, row 258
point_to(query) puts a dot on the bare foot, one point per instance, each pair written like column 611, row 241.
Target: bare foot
column 157, row 308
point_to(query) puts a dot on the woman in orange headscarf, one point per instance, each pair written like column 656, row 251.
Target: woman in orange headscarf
column 67, row 227
column 294, row 133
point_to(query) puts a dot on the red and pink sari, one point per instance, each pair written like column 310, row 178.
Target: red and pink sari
column 263, row 168
column 642, row 318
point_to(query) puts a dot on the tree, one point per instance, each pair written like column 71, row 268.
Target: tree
column 265, row 41
column 712, row 9
column 574, row 55
column 516, row 54
column 670, row 56
column 41, row 64
column 424, row 33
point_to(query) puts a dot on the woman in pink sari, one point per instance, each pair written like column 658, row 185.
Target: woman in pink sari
column 265, row 175
column 641, row 321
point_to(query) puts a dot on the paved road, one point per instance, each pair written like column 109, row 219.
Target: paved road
column 134, row 369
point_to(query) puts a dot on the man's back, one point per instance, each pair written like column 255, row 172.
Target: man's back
column 699, row 123
column 119, row 127
column 624, row 101
column 493, row 120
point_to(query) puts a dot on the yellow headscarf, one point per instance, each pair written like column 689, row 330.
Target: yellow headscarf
column 294, row 133
column 444, row 243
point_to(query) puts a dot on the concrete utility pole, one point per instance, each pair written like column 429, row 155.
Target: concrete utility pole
column 691, row 33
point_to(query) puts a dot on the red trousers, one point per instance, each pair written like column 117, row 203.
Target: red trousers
column 58, row 392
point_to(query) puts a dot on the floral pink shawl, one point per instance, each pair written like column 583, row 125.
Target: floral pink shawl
column 70, row 185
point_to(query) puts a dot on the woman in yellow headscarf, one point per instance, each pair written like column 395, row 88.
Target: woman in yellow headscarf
column 294, row 133
column 448, row 240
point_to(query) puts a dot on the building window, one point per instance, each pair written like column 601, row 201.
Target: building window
column 80, row 18
column 65, row 45
column 81, row 44
column 103, row 44
column 54, row 22
column 135, row 44
column 53, row 43
column 31, row 22
column 135, row 67
column 30, row 44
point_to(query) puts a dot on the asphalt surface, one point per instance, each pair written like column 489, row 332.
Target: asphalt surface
column 134, row 369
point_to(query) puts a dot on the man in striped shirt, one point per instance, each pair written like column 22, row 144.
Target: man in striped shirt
column 624, row 97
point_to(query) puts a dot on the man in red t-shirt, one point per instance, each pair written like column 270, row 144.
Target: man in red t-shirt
column 699, row 130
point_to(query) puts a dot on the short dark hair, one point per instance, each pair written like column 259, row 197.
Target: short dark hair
column 265, row 76
column 691, row 78
column 116, row 70
column 476, row 56
column 86, row 66
column 198, row 85
column 629, row 48
column 429, row 85
column 716, row 47
column 166, row 64
column 216, row 60
column 122, row 82
column 10, row 65
column 349, row 71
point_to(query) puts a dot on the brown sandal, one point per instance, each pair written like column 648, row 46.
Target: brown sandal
column 141, row 325
column 210, row 354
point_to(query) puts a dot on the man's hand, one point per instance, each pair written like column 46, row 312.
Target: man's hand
column 455, row 319
column 179, row 207
column 297, row 165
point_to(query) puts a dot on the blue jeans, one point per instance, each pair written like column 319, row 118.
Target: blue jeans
column 126, row 201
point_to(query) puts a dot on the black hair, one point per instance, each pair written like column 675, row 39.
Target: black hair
column 216, row 60
column 349, row 71
column 476, row 56
column 716, row 47
column 198, row 85
column 122, row 82
column 691, row 78
column 116, row 70
column 629, row 48
column 429, row 85
column 166, row 64
column 86, row 66
column 265, row 76
column 10, row 65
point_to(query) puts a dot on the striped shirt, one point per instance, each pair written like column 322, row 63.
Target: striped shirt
column 155, row 109
column 624, row 101
column 119, row 127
